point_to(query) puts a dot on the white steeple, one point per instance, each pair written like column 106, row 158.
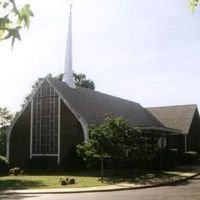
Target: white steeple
column 68, row 72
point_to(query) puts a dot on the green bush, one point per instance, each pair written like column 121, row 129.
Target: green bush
column 72, row 161
column 15, row 171
column 4, row 166
column 72, row 181
column 62, row 181
column 170, row 158
column 66, row 181
column 190, row 158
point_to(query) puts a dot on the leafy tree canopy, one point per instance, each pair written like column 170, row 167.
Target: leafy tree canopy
column 5, row 120
column 5, row 117
column 80, row 80
column 193, row 4
column 12, row 19
column 115, row 138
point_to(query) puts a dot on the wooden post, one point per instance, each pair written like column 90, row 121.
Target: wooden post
column 102, row 156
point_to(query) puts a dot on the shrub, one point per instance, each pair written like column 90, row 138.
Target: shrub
column 67, row 180
column 22, row 172
column 170, row 158
column 72, row 161
column 3, row 166
column 43, row 163
column 62, row 181
column 190, row 158
column 72, row 181
column 169, row 161
column 15, row 171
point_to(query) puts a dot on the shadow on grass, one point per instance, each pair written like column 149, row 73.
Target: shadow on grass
column 91, row 173
column 18, row 196
column 108, row 173
column 139, row 177
column 19, row 184
column 129, row 176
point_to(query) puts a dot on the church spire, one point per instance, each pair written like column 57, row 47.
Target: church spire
column 68, row 72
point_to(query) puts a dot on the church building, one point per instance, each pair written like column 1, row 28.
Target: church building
column 58, row 115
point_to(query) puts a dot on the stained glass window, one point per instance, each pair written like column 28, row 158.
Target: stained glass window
column 45, row 121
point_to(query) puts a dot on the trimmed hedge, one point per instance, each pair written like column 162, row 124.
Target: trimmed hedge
column 43, row 163
column 190, row 158
column 170, row 158
column 4, row 166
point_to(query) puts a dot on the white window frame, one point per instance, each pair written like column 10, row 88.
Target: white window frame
column 58, row 133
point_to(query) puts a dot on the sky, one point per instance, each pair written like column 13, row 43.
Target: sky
column 144, row 51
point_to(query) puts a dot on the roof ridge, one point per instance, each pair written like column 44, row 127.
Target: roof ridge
column 181, row 105
column 95, row 91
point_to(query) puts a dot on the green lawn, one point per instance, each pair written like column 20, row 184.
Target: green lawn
column 83, row 179
column 25, row 182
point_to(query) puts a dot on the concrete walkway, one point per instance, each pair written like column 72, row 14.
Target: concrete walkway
column 120, row 186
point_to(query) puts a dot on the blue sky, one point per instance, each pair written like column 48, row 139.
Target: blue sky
column 145, row 51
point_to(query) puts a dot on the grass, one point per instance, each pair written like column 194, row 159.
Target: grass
column 84, row 179
column 26, row 182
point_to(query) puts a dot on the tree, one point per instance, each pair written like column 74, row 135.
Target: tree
column 5, row 120
column 80, row 80
column 115, row 138
column 12, row 19
column 193, row 4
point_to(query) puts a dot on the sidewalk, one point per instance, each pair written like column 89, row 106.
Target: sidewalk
column 120, row 186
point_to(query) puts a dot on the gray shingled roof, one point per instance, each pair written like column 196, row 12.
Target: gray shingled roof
column 94, row 106
column 177, row 117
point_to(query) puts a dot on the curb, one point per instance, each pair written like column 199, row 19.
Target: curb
column 90, row 189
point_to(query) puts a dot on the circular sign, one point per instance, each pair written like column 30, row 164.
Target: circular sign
column 162, row 142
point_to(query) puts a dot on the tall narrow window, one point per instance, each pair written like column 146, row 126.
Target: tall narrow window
column 45, row 121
